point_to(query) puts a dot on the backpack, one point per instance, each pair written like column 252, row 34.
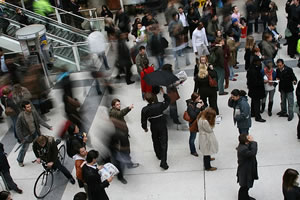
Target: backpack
column 70, row 150
column 212, row 58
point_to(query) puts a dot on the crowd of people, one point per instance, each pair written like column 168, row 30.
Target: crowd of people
column 213, row 36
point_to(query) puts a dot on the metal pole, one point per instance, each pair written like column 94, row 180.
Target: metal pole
column 57, row 16
column 23, row 5
column 76, row 56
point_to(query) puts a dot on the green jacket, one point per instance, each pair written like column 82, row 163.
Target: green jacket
column 42, row 7
column 117, row 117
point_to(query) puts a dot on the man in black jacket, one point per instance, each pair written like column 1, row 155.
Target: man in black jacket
column 45, row 149
column 93, row 179
column 286, row 78
column 158, row 125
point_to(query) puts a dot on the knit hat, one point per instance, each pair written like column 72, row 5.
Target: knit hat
column 234, row 20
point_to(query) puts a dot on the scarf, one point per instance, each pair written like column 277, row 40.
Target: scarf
column 269, row 74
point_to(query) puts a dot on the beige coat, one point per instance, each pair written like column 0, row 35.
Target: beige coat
column 207, row 140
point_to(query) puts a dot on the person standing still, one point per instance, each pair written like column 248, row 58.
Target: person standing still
column 247, row 165
column 28, row 128
column 287, row 79
column 158, row 125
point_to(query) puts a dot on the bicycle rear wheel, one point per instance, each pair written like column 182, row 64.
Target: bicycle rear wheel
column 43, row 184
column 62, row 154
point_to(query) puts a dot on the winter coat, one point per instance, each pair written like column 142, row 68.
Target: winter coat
column 268, row 50
column 202, row 86
column 78, row 166
column 220, row 55
column 241, row 112
column 233, row 51
column 192, row 109
column 4, row 165
column 144, row 86
column 255, row 82
column 247, row 164
column 286, row 78
column 22, row 128
column 139, row 61
column 207, row 139
column 48, row 153
column 95, row 185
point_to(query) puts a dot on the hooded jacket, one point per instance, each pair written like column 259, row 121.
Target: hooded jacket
column 241, row 112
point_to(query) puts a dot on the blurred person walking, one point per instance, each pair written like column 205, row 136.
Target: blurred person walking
column 158, row 125
column 157, row 44
column 120, row 145
column 241, row 110
column 140, row 59
column 290, row 185
column 247, row 165
column 194, row 106
column 287, row 79
column 193, row 20
column 207, row 140
column 249, row 47
column 28, row 129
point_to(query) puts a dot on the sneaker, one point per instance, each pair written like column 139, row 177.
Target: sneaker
column 72, row 180
column 290, row 119
column 236, row 75
column 212, row 159
column 122, row 180
column 19, row 191
column 218, row 119
column 21, row 164
column 234, row 79
column 260, row 120
column 283, row 115
column 224, row 93
column 133, row 165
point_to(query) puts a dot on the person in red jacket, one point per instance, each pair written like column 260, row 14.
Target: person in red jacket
column 146, row 70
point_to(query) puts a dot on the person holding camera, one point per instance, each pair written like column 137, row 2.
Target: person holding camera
column 247, row 165
column 194, row 106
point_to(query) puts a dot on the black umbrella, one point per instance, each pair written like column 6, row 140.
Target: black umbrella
column 160, row 78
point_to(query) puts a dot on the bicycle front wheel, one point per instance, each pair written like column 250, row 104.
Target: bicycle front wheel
column 43, row 184
column 62, row 154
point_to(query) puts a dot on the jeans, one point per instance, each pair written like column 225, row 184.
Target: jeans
column 271, row 96
column 24, row 149
column 160, row 60
column 173, row 40
column 192, row 142
column 103, row 56
column 221, row 75
column 231, row 73
column 289, row 96
column 57, row 165
column 206, row 161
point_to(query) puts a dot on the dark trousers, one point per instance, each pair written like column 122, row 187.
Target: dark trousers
column 9, row 181
column 128, row 73
column 192, row 138
column 244, row 131
column 292, row 45
column 243, row 193
column 250, row 26
column 4, row 23
column 298, row 127
column 57, row 165
column 255, row 105
column 212, row 99
column 206, row 161
column 160, row 140
column 173, row 111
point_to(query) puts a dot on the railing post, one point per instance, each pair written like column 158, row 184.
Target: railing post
column 57, row 15
column 91, row 14
column 23, row 5
column 77, row 57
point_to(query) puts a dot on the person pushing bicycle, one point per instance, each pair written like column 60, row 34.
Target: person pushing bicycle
column 45, row 150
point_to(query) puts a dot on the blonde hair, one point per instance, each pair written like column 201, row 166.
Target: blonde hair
column 202, row 70
column 250, row 42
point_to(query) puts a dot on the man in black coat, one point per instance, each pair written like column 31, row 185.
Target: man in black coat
column 93, row 179
column 247, row 165
column 5, row 172
column 158, row 125
column 287, row 79
column 255, row 83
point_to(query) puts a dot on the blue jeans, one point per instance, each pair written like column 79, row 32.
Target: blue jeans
column 231, row 73
column 244, row 130
column 221, row 75
column 192, row 142
column 24, row 149
column 289, row 96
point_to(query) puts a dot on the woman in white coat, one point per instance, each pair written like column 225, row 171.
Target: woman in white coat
column 207, row 139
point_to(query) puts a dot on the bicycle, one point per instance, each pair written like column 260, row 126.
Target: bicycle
column 44, row 182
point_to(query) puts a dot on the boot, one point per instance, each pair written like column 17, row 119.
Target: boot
column 263, row 106
column 270, row 106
